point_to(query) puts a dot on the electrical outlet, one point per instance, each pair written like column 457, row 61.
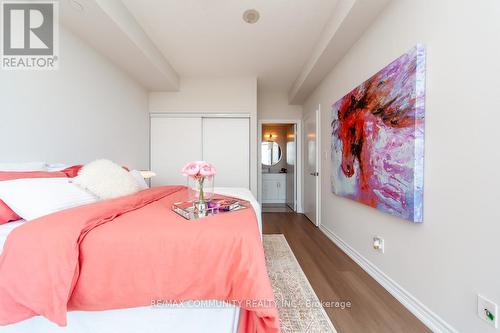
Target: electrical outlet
column 487, row 311
column 378, row 244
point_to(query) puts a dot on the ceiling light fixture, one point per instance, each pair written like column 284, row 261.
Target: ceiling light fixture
column 251, row 16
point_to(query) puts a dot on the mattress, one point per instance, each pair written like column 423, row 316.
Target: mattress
column 199, row 316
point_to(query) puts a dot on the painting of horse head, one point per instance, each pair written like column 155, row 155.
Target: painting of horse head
column 378, row 139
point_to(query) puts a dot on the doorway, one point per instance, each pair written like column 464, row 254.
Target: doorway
column 279, row 151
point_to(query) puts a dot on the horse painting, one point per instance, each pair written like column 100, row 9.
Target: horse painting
column 377, row 139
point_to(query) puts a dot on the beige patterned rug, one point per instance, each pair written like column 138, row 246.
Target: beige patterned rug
column 298, row 305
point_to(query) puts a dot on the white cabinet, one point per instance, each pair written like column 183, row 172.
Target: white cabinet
column 174, row 142
column 274, row 188
column 222, row 141
column 226, row 144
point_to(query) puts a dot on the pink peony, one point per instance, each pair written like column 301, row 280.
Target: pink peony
column 191, row 169
column 207, row 170
column 198, row 169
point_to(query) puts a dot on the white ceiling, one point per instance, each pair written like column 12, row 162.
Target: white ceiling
column 209, row 37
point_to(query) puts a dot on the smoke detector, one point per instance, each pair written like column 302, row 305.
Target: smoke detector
column 76, row 5
column 251, row 16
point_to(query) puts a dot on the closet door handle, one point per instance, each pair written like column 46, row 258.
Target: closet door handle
column 315, row 174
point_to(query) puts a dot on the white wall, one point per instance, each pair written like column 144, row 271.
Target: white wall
column 274, row 105
column 453, row 255
column 214, row 95
column 87, row 109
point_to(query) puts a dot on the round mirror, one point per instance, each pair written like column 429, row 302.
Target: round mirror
column 271, row 153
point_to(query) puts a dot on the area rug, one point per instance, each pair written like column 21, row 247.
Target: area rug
column 299, row 308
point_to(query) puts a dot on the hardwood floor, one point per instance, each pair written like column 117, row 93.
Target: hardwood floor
column 335, row 277
column 276, row 208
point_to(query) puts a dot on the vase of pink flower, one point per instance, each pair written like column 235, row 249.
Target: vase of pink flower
column 200, row 180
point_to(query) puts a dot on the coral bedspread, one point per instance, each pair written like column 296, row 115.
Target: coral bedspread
column 132, row 251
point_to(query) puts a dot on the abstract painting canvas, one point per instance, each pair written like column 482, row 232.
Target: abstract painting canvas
column 378, row 139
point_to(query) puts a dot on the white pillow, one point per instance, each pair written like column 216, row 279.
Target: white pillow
column 32, row 198
column 139, row 179
column 28, row 166
column 106, row 179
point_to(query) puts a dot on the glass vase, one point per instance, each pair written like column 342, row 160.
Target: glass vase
column 200, row 191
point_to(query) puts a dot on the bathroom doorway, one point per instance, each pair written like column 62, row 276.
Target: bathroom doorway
column 278, row 152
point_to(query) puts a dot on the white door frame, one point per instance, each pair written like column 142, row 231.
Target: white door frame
column 298, row 170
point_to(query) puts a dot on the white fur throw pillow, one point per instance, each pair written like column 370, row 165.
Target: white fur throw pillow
column 106, row 179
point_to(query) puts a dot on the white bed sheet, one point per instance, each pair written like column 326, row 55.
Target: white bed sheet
column 135, row 320
column 178, row 318
column 245, row 194
column 5, row 230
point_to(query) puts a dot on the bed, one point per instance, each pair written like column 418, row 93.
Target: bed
column 236, row 192
column 198, row 316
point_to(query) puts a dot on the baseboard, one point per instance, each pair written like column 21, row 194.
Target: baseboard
column 429, row 318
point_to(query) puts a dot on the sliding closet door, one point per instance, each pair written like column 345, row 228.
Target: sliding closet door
column 226, row 144
column 174, row 142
